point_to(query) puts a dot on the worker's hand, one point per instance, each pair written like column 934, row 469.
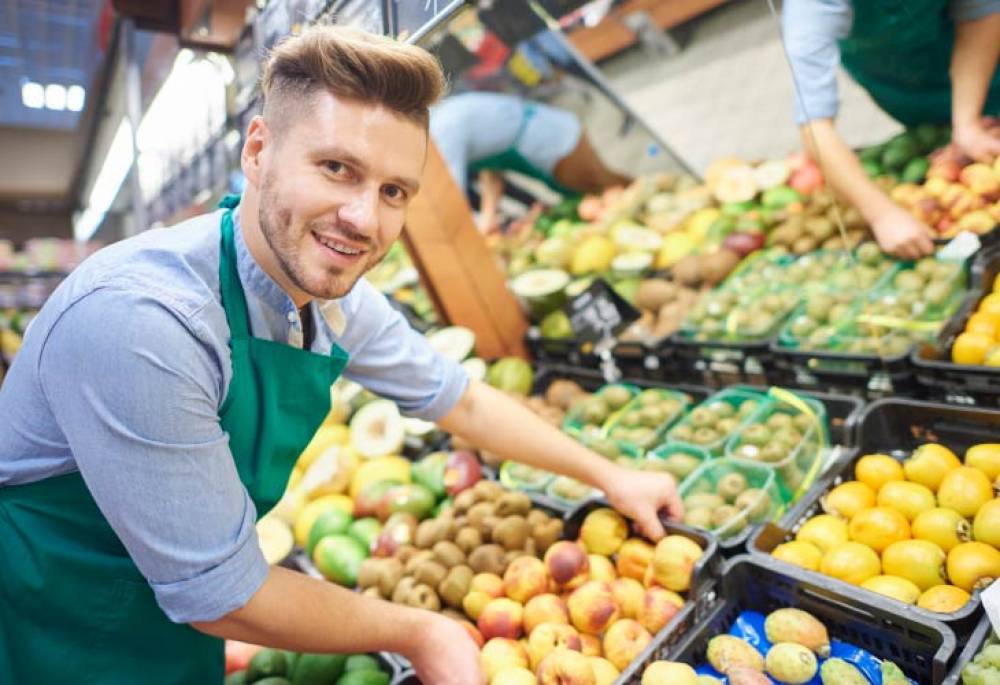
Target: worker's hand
column 641, row 495
column 978, row 139
column 445, row 654
column 901, row 235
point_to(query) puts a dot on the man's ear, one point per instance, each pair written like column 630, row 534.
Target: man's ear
column 252, row 156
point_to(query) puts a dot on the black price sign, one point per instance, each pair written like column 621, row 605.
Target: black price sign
column 599, row 312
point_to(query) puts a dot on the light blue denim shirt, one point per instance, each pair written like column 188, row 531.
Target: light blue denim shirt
column 121, row 377
column 811, row 29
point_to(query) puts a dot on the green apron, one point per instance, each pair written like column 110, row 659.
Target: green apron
column 73, row 606
column 900, row 52
column 512, row 160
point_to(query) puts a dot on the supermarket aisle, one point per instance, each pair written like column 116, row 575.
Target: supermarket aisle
column 730, row 92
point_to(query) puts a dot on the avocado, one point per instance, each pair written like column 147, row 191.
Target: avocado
column 266, row 663
column 236, row 678
column 925, row 136
column 872, row 168
column 915, row 171
column 364, row 678
column 361, row 662
column 898, row 153
column 318, row 669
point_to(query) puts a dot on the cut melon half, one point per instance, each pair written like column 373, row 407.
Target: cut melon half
column 418, row 428
column 637, row 239
column 377, row 429
column 475, row 369
column 454, row 342
column 542, row 290
column 275, row 539
column 632, row 263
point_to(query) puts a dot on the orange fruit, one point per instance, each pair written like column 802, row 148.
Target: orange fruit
column 898, row 588
column 919, row 561
column 944, row 527
column 973, row 564
column 878, row 527
column 944, row 599
column 824, row 531
column 851, row 562
column 971, row 348
column 990, row 304
column 847, row 499
column 875, row 470
column 984, row 323
column 929, row 464
column 799, row 552
column 909, row 499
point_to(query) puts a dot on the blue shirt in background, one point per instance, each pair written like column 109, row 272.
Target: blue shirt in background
column 121, row 377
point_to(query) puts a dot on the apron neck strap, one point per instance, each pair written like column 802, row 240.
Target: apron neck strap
column 233, row 300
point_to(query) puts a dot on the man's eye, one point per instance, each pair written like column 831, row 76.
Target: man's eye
column 336, row 167
column 394, row 192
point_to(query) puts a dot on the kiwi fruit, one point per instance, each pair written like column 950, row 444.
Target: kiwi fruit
column 389, row 574
column 707, row 500
column 423, row 597
column 616, row 396
column 512, row 532
column 488, row 525
column 772, row 453
column 731, row 485
column 430, row 573
column 478, row 513
column 513, row 504
column 727, row 425
column 698, row 517
column 537, row 516
column 681, row 465
column 778, row 421
column 368, row 573
column 420, row 557
column 562, row 392
column 468, row 539
column 488, row 490
column 704, row 436
column 487, row 559
column 546, row 534
column 755, row 503
column 464, row 500
column 402, row 589
column 372, row 592
column 455, row 586
column 430, row 532
column 803, row 422
column 721, row 515
column 448, row 554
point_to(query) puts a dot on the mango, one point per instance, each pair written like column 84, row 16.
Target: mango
column 840, row 672
column 891, row 675
column 603, row 531
column 800, row 627
column 726, row 652
column 791, row 663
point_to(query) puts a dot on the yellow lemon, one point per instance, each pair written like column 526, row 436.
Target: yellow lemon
column 909, row 499
column 944, row 599
column 799, row 552
column 900, row 589
column 878, row 527
column 919, row 561
column 929, row 464
column 851, row 562
column 847, row 499
column 875, row 470
column 944, row 527
column 824, row 531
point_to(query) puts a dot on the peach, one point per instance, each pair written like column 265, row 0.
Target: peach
column 568, row 564
column 566, row 667
column 501, row 653
column 592, row 607
column 657, row 608
column 473, row 632
column 605, row 672
column 514, row 676
column 935, row 186
column 545, row 608
column 502, row 617
column 634, row 557
column 674, row 559
column 474, row 602
column 624, row 641
column 649, row 578
column 591, row 645
column 947, row 169
column 628, row 593
column 603, row 531
column 525, row 578
column 549, row 636
column 490, row 583
column 980, row 179
column 601, row 568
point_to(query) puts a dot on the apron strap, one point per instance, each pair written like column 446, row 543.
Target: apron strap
column 233, row 300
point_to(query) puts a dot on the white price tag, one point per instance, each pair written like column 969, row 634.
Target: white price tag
column 961, row 247
column 991, row 604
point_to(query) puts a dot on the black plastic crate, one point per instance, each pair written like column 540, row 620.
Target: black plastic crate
column 842, row 411
column 968, row 653
column 938, row 376
column 655, row 363
column 565, row 351
column 719, row 364
column 922, row 648
column 894, row 427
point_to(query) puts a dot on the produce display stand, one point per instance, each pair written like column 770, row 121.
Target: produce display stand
column 940, row 378
column 921, row 647
column 972, row 646
column 894, row 427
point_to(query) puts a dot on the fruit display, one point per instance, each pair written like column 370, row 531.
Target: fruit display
column 396, row 277
column 726, row 497
column 905, row 157
column 786, row 645
column 249, row 664
column 979, row 341
column 920, row 530
column 984, row 669
column 663, row 304
column 713, row 421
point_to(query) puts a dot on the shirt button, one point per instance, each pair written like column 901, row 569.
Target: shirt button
column 291, row 317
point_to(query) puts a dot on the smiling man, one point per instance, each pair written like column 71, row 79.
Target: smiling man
column 165, row 390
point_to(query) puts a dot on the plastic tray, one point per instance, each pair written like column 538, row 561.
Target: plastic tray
column 938, row 376
column 968, row 653
column 573, row 424
column 669, row 449
column 706, row 478
column 683, row 402
column 922, row 648
column 894, row 427
column 731, row 396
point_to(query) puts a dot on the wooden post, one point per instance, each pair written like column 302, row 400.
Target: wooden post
column 459, row 271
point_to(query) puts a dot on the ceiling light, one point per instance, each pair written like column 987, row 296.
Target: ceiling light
column 75, row 97
column 55, row 97
column 32, row 95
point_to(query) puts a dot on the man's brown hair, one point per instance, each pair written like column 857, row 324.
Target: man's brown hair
column 353, row 65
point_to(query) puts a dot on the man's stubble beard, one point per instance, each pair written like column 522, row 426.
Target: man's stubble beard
column 284, row 246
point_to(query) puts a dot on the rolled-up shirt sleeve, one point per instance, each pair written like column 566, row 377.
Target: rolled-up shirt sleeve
column 810, row 30
column 971, row 10
column 136, row 393
column 396, row 362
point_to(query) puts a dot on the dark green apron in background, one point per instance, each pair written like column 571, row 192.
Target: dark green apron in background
column 900, row 52
column 73, row 606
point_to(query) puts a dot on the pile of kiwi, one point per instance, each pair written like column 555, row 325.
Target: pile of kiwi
column 773, row 440
column 674, row 460
column 815, row 326
column 642, row 420
column 816, row 227
column 728, row 507
column 712, row 422
column 740, row 314
column 589, row 413
column 486, row 529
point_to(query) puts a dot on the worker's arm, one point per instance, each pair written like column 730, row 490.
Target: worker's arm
column 897, row 232
column 973, row 63
column 293, row 611
column 494, row 422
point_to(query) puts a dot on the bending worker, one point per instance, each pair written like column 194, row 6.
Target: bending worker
column 922, row 61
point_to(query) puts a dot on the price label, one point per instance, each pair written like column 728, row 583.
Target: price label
column 599, row 312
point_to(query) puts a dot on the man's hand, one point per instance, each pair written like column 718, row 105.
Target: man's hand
column 444, row 654
column 901, row 235
column 641, row 495
column 977, row 141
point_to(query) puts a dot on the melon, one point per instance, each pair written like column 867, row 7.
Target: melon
column 377, row 429
column 275, row 539
column 454, row 342
column 475, row 368
column 541, row 290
